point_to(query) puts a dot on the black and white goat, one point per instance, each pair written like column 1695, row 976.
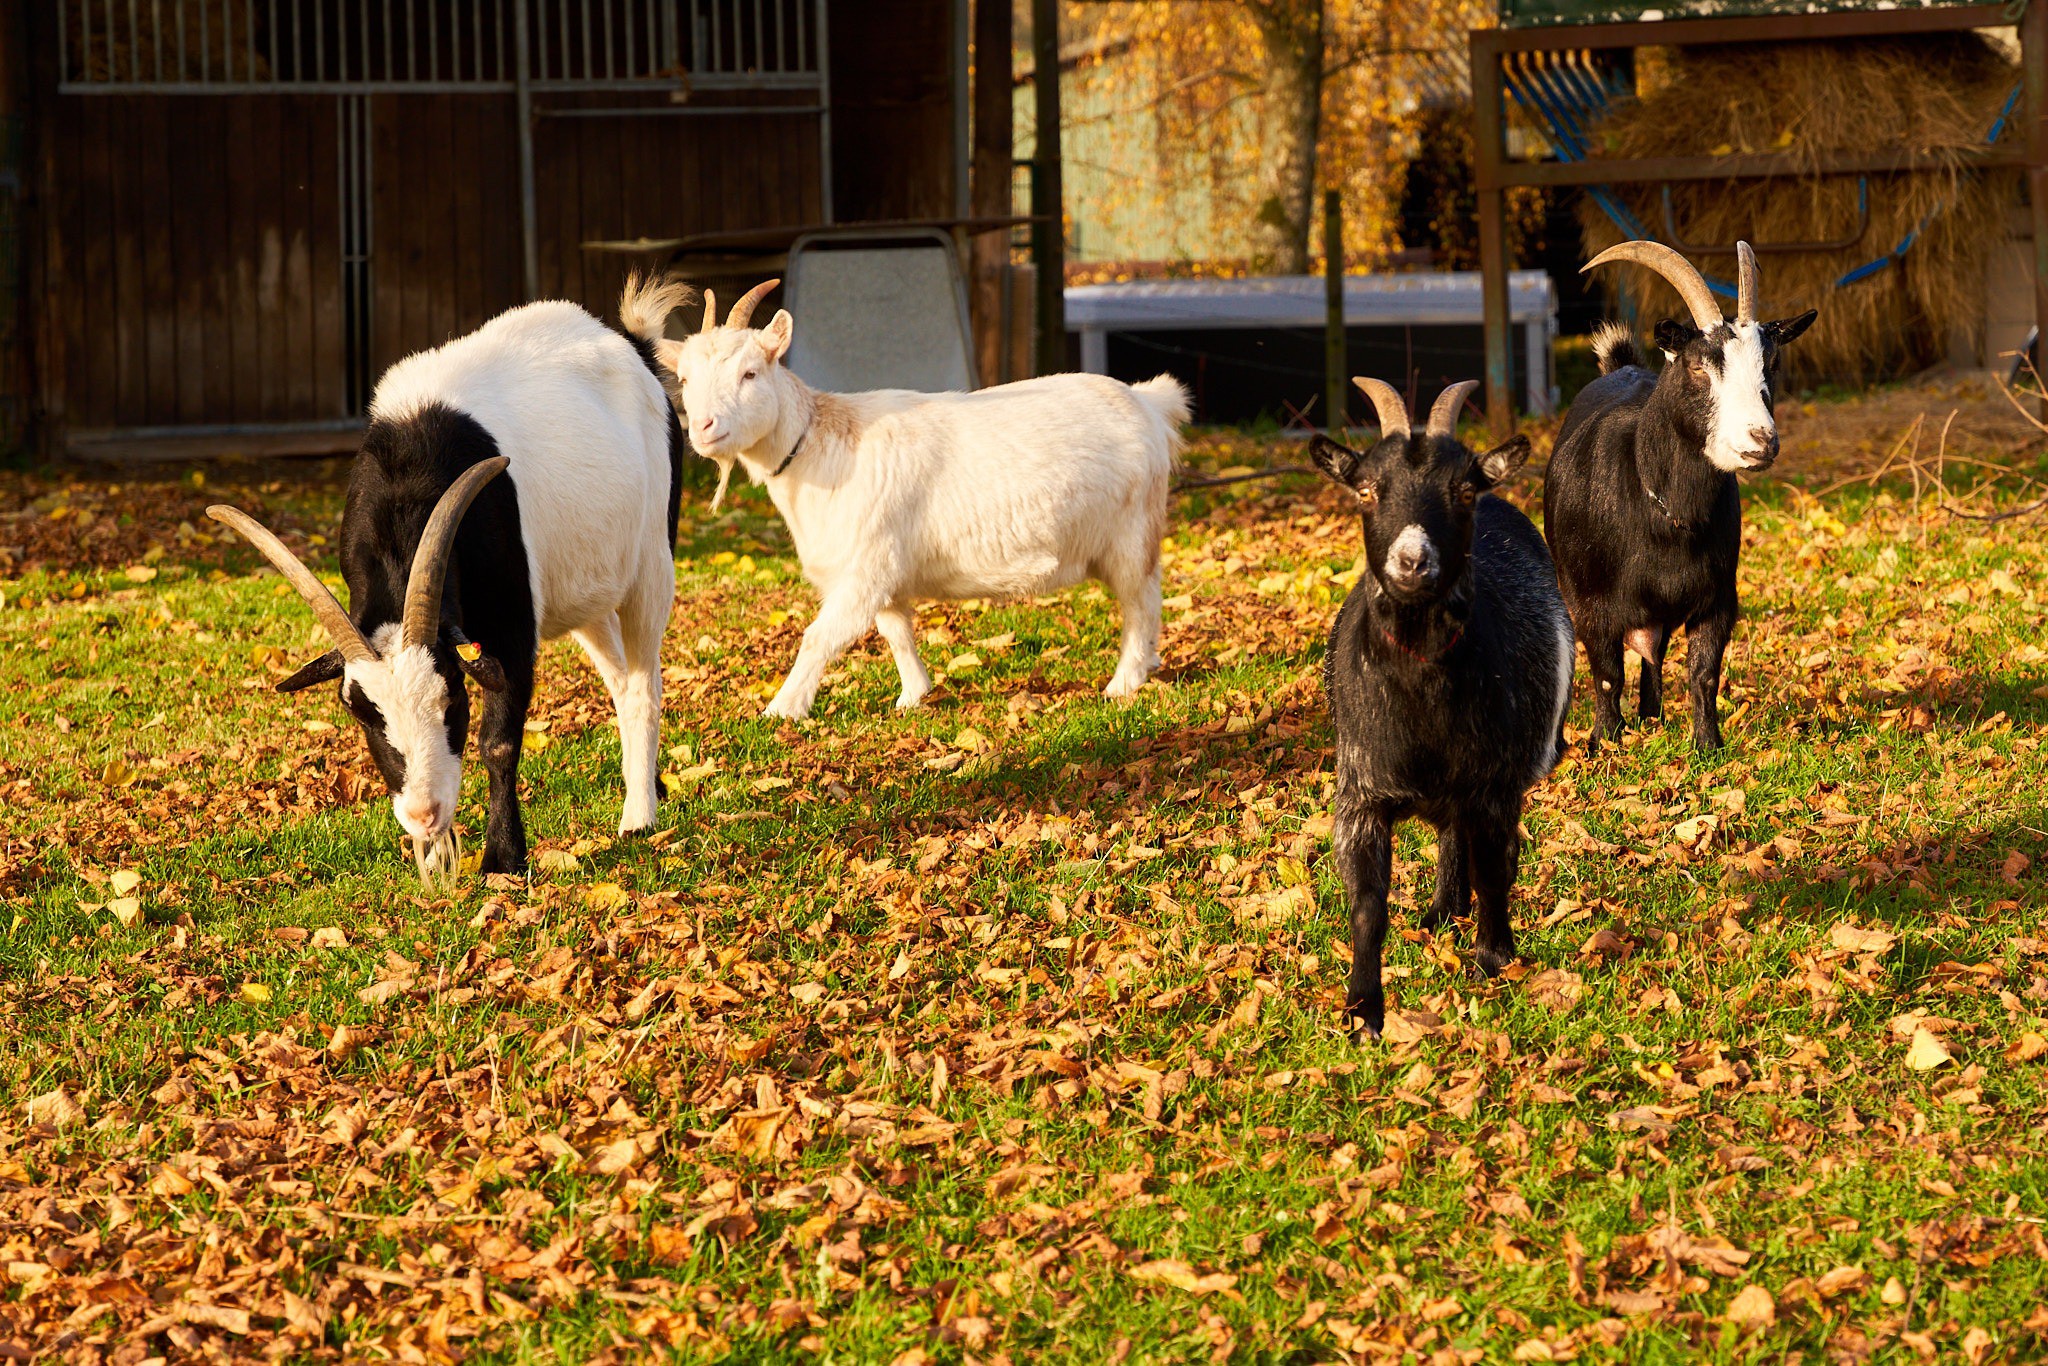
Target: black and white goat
column 577, row 538
column 1448, row 672
column 1641, row 505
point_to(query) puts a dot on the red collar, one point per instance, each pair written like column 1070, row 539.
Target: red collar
column 1450, row 645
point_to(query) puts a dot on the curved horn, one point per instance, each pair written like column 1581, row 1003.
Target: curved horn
column 710, row 311
column 422, row 621
column 1690, row 284
column 1443, row 414
column 1387, row 403
column 1745, row 284
column 326, row 610
column 743, row 311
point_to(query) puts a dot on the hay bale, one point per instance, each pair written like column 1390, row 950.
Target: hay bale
column 1934, row 93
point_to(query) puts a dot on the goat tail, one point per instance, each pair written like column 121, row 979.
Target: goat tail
column 1615, row 347
column 645, row 303
column 1167, row 399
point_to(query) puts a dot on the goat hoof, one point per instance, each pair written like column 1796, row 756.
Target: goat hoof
column 1366, row 1021
column 785, row 711
column 1490, row 962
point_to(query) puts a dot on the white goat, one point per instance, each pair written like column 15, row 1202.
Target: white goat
column 894, row 496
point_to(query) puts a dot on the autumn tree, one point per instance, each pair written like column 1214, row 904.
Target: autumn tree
column 1271, row 101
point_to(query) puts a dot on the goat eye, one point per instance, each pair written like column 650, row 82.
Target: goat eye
column 1367, row 495
column 751, row 374
column 1467, row 493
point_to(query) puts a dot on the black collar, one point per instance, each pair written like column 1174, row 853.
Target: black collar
column 794, row 449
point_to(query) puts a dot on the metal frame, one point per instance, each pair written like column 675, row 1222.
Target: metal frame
column 882, row 235
column 1494, row 173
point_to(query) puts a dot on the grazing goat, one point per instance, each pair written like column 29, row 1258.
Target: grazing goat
column 572, row 540
column 1641, row 505
column 1448, row 672
column 893, row 496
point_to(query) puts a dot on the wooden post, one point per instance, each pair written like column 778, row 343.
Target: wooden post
column 1333, row 312
column 1487, row 151
column 1048, row 240
column 2034, row 61
column 989, row 252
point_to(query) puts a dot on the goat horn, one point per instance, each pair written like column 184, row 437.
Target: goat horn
column 743, row 311
column 1443, row 415
column 1387, row 402
column 1745, row 284
column 1690, row 284
column 422, row 621
column 710, row 311
column 326, row 610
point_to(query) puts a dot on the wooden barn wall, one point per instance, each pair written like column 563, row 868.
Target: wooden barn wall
column 612, row 179
column 892, row 109
column 192, row 265
column 444, row 233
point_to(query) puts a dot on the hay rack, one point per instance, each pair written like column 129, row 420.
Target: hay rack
column 1564, row 61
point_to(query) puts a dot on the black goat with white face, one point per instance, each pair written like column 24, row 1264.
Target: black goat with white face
column 1641, row 505
column 1448, row 672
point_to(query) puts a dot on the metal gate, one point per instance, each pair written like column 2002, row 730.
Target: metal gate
column 365, row 67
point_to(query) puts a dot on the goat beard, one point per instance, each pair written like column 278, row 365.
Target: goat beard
column 724, row 478
column 439, row 861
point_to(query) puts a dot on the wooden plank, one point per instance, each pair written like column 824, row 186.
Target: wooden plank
column 325, row 371
column 94, row 391
column 208, row 122
column 465, row 227
column 128, row 213
column 249, row 205
column 390, row 118
column 149, row 156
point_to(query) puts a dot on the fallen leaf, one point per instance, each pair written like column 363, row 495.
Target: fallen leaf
column 57, row 1109
column 1752, row 1310
column 1927, row 1052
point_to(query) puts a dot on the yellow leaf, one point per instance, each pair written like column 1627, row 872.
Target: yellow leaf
column 556, row 861
column 963, row 663
column 605, row 896
column 971, row 740
column 124, row 881
column 1847, row 936
column 126, row 909
column 140, row 573
column 255, row 993
column 1927, row 1052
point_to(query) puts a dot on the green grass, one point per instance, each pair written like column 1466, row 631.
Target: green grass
column 1004, row 1028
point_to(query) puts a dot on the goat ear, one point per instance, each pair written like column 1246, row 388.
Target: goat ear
column 1790, row 328
column 1672, row 336
column 670, row 353
column 487, row 672
column 322, row 670
column 1339, row 464
column 1498, row 465
column 777, row 335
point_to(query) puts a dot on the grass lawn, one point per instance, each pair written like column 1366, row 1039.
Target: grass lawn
column 1008, row 1030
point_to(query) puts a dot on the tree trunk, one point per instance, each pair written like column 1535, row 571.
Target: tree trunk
column 1290, row 124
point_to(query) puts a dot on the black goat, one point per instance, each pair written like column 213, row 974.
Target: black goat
column 1448, row 672
column 1641, row 505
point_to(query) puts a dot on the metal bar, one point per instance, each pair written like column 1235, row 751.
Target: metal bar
column 301, row 88
column 588, row 67
column 1488, row 150
column 275, row 68
column 529, row 208
column 802, row 37
column 824, row 118
column 134, row 42
column 64, row 42
column 156, row 28
column 717, row 61
column 1761, row 28
column 1333, row 312
column 1741, row 166
column 963, row 106
column 319, row 37
column 1048, row 250
column 2034, row 58
column 677, row 111
column 205, row 43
